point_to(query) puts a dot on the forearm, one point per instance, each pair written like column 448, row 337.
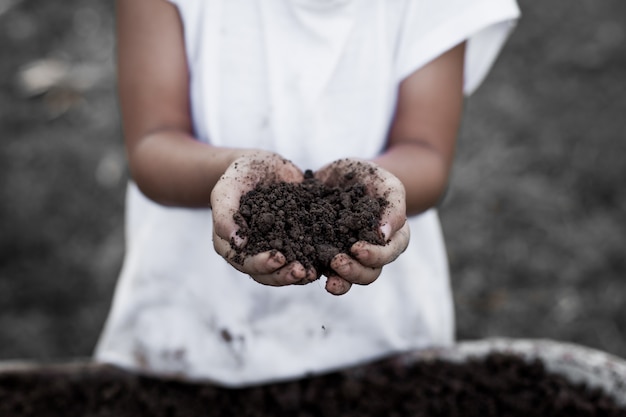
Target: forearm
column 423, row 133
column 174, row 169
column 423, row 171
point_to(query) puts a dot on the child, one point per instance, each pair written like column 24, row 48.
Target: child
column 214, row 92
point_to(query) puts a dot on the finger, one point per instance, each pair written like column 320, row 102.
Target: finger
column 224, row 204
column 267, row 268
column 376, row 256
column 293, row 273
column 224, row 248
column 337, row 285
column 260, row 264
column 353, row 271
column 311, row 275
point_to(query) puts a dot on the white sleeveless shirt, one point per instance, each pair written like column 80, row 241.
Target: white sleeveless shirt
column 315, row 81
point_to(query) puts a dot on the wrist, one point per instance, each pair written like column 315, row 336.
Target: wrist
column 421, row 169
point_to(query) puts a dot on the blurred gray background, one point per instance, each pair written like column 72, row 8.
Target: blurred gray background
column 535, row 217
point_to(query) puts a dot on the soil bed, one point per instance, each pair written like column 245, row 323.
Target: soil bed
column 498, row 385
column 309, row 222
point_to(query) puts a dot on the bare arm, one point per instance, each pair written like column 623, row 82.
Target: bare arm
column 420, row 152
column 166, row 161
column 168, row 164
column 423, row 133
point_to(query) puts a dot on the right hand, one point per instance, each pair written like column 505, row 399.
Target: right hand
column 255, row 167
column 365, row 261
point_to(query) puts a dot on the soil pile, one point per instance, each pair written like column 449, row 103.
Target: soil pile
column 309, row 221
column 499, row 385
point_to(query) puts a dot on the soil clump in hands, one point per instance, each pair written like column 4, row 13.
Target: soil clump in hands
column 309, row 222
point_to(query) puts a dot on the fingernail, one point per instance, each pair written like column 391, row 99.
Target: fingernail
column 343, row 266
column 311, row 275
column 298, row 272
column 276, row 259
column 337, row 286
column 236, row 240
column 360, row 253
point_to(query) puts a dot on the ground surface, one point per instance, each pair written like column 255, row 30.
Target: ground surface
column 535, row 218
column 499, row 385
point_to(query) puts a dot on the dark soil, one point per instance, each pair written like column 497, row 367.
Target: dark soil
column 309, row 222
column 499, row 385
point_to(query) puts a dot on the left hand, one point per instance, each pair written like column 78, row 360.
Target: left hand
column 252, row 168
column 367, row 260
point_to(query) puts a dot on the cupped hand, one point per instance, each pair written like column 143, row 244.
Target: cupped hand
column 365, row 262
column 245, row 173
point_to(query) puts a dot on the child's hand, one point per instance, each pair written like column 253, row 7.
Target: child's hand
column 367, row 259
column 243, row 175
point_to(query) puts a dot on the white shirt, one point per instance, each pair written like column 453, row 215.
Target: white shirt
column 315, row 81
